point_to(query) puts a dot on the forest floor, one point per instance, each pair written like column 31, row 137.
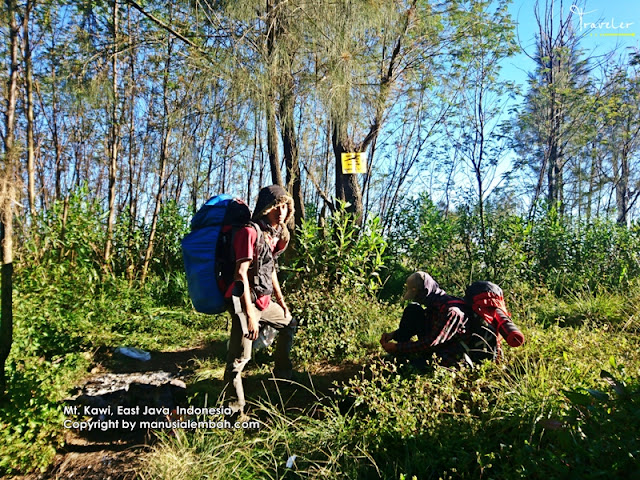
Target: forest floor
column 118, row 454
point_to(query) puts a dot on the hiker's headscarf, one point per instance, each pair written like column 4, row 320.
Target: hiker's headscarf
column 268, row 198
column 422, row 288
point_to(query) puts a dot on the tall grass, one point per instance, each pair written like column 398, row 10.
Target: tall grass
column 535, row 414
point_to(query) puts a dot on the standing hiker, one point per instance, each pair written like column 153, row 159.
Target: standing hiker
column 445, row 327
column 256, row 248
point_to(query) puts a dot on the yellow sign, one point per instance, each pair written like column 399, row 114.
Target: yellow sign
column 354, row 163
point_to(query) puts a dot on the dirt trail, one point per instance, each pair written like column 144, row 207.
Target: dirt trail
column 162, row 383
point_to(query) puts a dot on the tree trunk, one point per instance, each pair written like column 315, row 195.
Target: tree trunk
column 113, row 141
column 272, row 144
column 164, row 153
column 347, row 186
column 28, row 79
column 290, row 150
column 272, row 129
column 7, row 192
column 130, row 273
column 55, row 134
column 621, row 178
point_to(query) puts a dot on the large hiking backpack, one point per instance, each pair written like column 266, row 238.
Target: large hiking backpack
column 487, row 302
column 208, row 262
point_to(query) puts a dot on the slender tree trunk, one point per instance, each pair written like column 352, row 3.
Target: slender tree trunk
column 272, row 129
column 254, row 155
column 55, row 134
column 621, row 184
column 622, row 180
column 592, row 182
column 272, row 144
column 113, row 140
column 31, row 182
column 164, row 153
column 132, row 167
column 7, row 196
column 478, row 161
column 290, row 149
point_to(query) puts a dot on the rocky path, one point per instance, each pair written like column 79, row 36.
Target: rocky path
column 103, row 444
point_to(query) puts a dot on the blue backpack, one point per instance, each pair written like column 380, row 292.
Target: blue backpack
column 208, row 260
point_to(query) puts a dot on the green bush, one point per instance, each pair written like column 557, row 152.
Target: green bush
column 70, row 233
column 348, row 256
column 31, row 415
column 337, row 325
column 556, row 252
column 173, row 225
column 424, row 237
column 572, row 255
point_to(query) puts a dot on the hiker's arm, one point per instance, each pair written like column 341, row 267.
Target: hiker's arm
column 386, row 340
column 455, row 323
column 253, row 316
column 388, row 336
column 277, row 292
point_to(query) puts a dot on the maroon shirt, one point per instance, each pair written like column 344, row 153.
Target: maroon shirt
column 244, row 247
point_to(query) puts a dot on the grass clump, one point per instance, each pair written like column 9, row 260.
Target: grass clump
column 584, row 308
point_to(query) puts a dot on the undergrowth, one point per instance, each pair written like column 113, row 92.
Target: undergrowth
column 536, row 414
column 60, row 325
column 564, row 404
column 532, row 416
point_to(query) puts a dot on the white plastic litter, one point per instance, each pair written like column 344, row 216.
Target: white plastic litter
column 265, row 338
column 291, row 460
column 135, row 353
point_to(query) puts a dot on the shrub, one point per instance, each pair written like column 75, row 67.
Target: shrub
column 31, row 416
column 336, row 325
column 348, row 256
column 572, row 255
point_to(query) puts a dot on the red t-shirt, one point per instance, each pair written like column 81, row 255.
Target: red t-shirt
column 244, row 243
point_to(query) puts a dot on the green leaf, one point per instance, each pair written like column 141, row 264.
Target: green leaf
column 577, row 398
column 602, row 396
column 617, row 386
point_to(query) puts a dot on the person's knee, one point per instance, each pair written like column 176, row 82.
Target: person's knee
column 289, row 330
column 414, row 309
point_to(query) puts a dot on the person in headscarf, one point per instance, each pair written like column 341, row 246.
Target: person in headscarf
column 441, row 323
column 257, row 248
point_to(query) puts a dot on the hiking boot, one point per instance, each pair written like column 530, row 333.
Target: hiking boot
column 239, row 417
column 236, row 408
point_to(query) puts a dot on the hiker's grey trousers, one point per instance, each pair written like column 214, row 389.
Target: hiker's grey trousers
column 239, row 352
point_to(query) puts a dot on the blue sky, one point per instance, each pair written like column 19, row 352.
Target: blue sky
column 599, row 21
column 607, row 25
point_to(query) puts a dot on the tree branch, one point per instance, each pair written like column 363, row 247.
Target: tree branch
column 165, row 26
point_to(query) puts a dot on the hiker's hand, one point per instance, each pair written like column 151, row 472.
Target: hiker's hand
column 456, row 320
column 287, row 313
column 253, row 325
column 389, row 347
